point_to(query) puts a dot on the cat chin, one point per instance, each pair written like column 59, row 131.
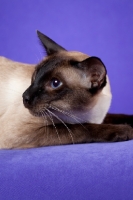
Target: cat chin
column 36, row 113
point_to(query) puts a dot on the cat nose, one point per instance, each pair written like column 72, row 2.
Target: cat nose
column 26, row 100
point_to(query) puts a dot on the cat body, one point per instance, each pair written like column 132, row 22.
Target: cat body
column 13, row 81
column 54, row 111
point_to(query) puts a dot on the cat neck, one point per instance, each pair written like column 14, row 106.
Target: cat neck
column 97, row 113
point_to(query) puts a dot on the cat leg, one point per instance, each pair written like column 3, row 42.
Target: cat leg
column 110, row 132
column 74, row 134
column 86, row 133
column 118, row 119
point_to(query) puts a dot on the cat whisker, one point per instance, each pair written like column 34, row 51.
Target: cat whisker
column 44, row 114
column 51, row 119
column 68, row 114
column 62, row 123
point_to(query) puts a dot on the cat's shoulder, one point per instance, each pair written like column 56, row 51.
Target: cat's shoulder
column 8, row 62
column 4, row 59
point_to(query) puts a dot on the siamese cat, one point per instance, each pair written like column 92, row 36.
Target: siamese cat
column 65, row 101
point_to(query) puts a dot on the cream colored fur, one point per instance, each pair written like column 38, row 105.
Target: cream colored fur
column 15, row 120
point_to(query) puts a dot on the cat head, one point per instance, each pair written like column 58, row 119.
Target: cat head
column 64, row 82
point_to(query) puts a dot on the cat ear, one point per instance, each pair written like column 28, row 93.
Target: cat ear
column 96, row 71
column 50, row 46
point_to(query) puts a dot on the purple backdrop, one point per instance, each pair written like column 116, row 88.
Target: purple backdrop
column 101, row 28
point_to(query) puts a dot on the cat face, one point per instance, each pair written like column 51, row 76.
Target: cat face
column 64, row 81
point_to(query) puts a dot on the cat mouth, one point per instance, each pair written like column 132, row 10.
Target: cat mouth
column 39, row 113
column 43, row 113
column 46, row 113
column 36, row 114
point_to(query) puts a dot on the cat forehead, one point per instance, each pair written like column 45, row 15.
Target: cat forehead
column 60, row 64
column 72, row 76
column 61, row 59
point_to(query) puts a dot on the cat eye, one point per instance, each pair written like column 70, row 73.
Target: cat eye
column 55, row 83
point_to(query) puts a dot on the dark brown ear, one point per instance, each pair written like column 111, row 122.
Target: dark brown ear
column 50, row 46
column 96, row 71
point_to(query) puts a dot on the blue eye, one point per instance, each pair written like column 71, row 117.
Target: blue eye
column 55, row 83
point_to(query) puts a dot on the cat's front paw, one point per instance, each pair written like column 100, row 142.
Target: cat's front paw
column 130, row 120
column 122, row 133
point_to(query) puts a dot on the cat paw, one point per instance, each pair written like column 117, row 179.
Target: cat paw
column 123, row 133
